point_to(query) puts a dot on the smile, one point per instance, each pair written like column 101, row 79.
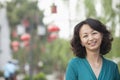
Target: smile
column 92, row 43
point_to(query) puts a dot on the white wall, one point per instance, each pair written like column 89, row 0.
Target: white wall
column 5, row 53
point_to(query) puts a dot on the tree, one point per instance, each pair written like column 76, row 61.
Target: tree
column 17, row 11
column 57, row 54
column 20, row 9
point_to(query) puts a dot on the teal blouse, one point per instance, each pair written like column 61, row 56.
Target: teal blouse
column 80, row 69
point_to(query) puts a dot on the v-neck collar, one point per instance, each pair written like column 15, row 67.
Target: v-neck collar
column 91, row 71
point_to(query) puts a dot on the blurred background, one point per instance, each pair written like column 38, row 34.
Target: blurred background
column 35, row 34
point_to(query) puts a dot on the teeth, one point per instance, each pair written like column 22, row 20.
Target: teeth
column 92, row 44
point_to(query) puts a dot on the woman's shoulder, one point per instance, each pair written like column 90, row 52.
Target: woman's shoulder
column 75, row 60
column 74, row 63
column 109, row 62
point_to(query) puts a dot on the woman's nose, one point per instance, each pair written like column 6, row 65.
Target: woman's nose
column 90, row 37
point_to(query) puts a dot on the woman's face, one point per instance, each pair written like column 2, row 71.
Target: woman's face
column 90, row 38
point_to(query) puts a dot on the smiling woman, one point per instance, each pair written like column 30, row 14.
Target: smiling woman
column 91, row 40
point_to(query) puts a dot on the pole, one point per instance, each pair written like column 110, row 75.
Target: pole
column 31, row 53
column 31, row 44
column 0, row 40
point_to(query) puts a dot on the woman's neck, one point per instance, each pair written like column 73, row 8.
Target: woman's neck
column 95, row 61
column 93, row 57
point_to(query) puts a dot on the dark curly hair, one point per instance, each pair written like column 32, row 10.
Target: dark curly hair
column 105, row 47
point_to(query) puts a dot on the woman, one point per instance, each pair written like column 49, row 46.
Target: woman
column 91, row 40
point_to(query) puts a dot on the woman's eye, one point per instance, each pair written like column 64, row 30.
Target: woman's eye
column 84, row 36
column 94, row 33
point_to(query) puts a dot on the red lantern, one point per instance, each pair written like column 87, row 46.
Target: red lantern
column 15, row 44
column 53, row 8
column 52, row 37
column 53, row 28
column 25, row 37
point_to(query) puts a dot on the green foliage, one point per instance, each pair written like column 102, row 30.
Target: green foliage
column 19, row 9
column 90, row 8
column 115, row 52
column 107, row 5
column 57, row 55
column 26, row 77
column 40, row 76
column 116, row 47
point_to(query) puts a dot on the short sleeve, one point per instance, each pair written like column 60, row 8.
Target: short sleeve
column 71, row 73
